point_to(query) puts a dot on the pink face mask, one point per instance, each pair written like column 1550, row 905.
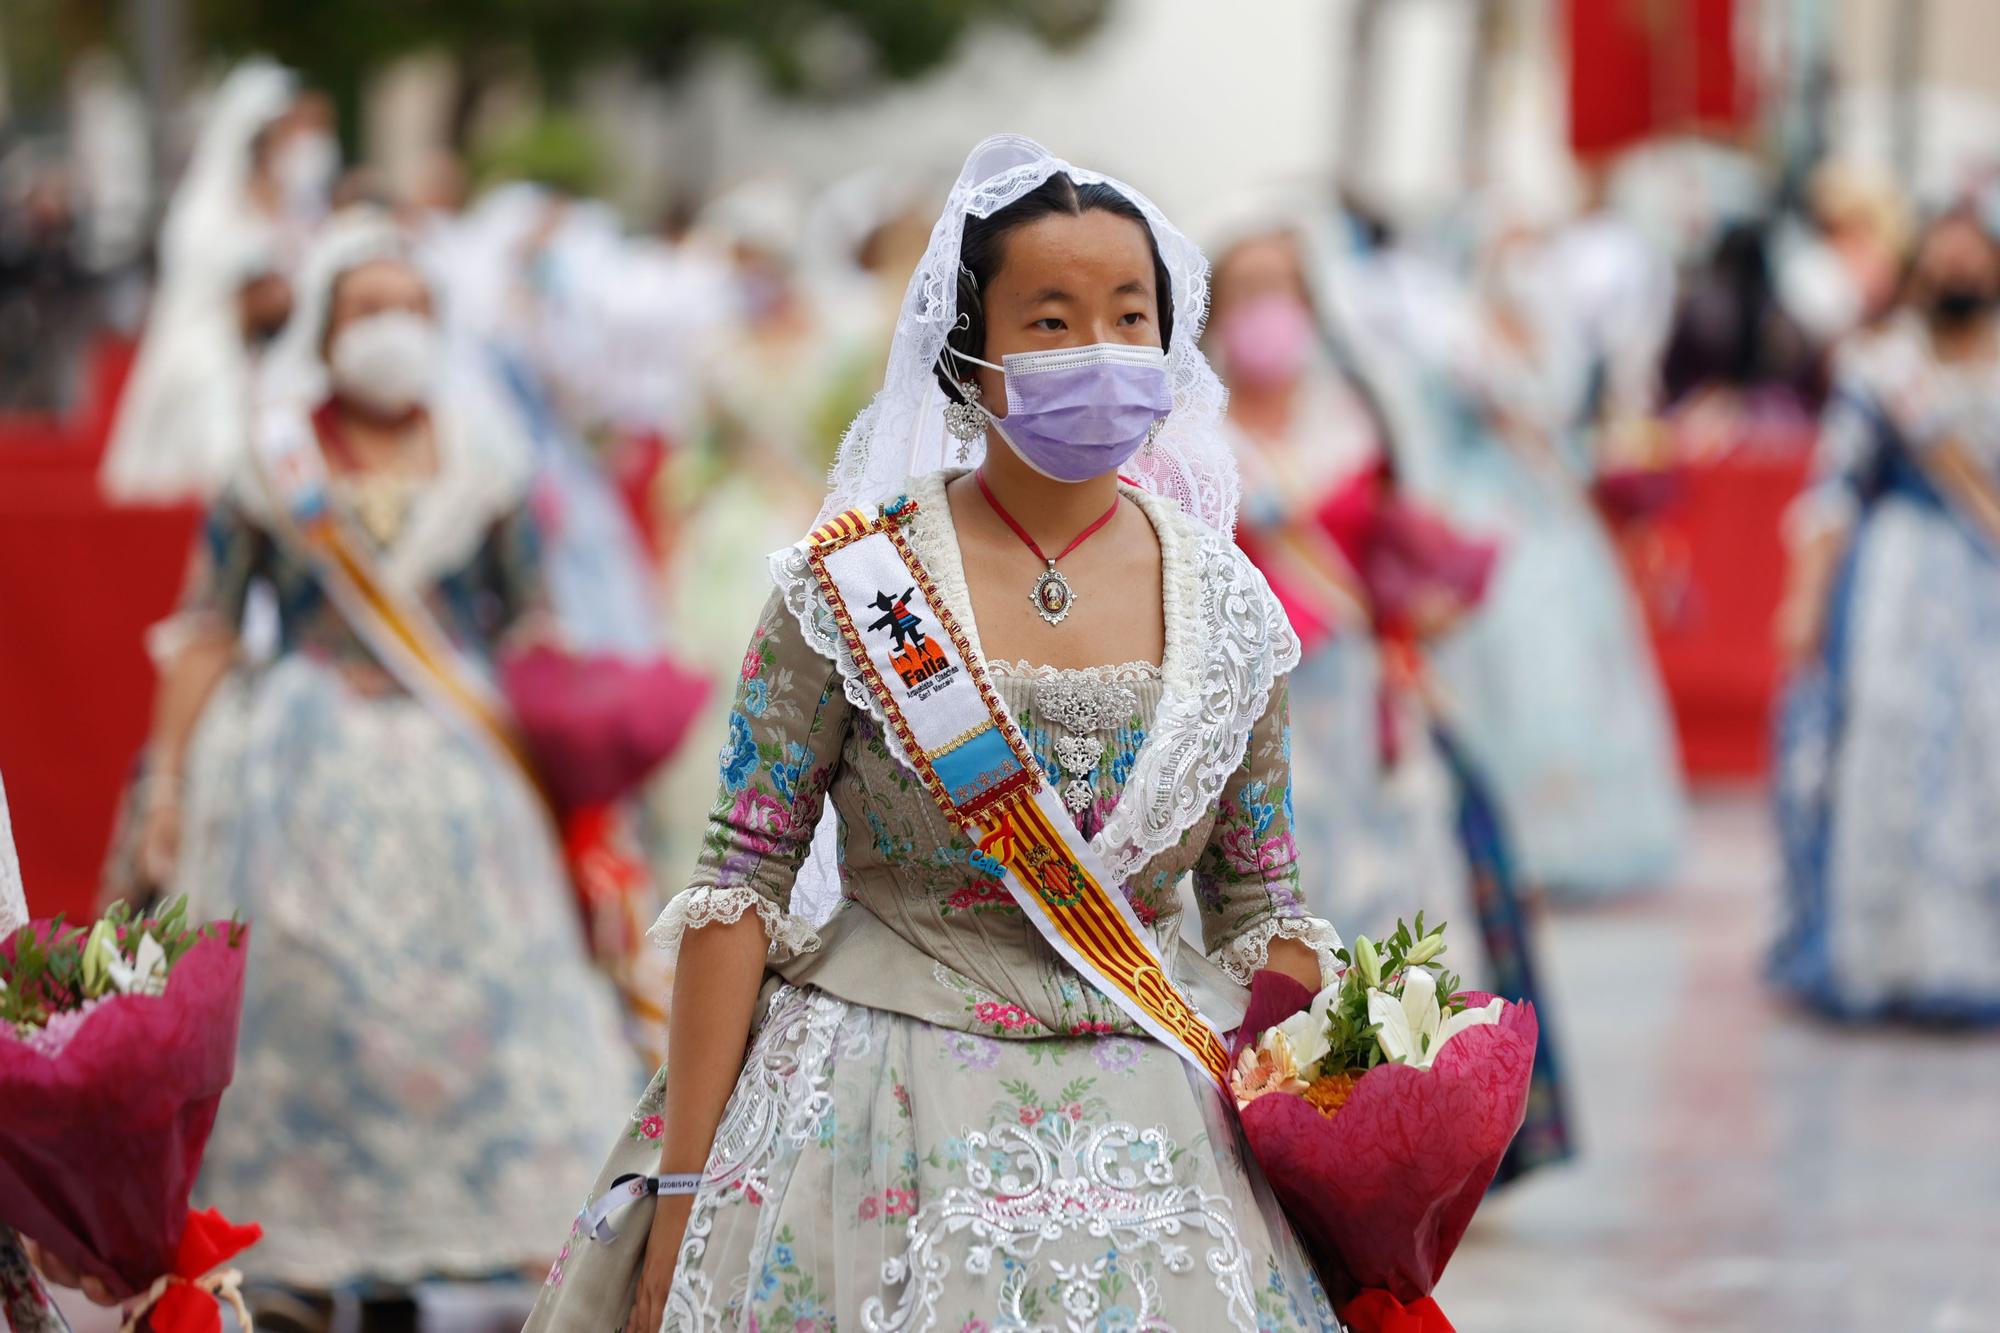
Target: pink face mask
column 1265, row 341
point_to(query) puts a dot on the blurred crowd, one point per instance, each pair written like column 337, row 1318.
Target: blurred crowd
column 1443, row 435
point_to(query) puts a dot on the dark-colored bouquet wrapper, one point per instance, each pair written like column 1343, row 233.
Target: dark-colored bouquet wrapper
column 101, row 1140
column 1405, row 554
column 1381, row 1192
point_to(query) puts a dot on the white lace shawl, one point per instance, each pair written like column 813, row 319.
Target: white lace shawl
column 901, row 433
column 1228, row 642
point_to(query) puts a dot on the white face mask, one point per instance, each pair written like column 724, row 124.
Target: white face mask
column 388, row 362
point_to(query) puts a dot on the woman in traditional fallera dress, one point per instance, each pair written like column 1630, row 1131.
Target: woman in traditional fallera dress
column 426, row 1052
column 1556, row 692
column 939, row 1121
column 1889, row 739
column 1379, row 833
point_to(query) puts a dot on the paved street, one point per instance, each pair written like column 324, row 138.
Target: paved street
column 1743, row 1168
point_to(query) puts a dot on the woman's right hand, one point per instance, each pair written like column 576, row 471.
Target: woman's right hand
column 656, row 1273
column 159, row 840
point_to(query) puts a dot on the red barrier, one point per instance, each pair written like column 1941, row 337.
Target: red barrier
column 1710, row 572
column 79, row 583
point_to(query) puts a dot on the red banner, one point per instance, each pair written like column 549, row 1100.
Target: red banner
column 1640, row 68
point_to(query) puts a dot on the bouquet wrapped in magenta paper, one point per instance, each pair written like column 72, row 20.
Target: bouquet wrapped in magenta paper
column 1379, row 1109
column 116, row 1044
column 597, row 724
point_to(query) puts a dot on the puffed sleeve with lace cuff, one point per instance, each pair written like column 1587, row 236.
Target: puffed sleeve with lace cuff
column 786, row 727
column 1247, row 879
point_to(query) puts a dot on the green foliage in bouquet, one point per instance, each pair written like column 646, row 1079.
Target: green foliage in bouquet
column 1352, row 1037
column 48, row 970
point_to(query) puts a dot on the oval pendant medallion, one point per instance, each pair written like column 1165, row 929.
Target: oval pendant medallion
column 1052, row 597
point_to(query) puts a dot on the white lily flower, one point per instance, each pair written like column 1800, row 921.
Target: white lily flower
column 1415, row 1029
column 1366, row 961
column 99, row 952
column 145, row 975
column 1463, row 1019
column 1394, row 1033
column 1305, row 1031
column 1427, row 948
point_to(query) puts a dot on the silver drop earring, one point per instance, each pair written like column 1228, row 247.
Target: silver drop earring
column 1152, row 433
column 963, row 420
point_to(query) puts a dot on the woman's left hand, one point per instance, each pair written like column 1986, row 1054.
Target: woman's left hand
column 1297, row 960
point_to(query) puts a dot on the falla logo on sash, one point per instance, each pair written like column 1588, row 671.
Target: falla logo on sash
column 919, row 660
column 955, row 734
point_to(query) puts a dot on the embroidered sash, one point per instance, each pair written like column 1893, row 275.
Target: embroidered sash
column 954, row 732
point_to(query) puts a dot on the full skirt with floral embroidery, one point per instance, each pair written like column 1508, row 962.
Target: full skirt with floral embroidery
column 427, row 1057
column 877, row 1172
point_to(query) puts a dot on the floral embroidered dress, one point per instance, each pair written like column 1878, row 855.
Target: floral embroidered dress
column 939, row 1123
column 426, row 1052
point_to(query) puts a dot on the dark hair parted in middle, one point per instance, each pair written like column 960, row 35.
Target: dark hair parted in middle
column 981, row 248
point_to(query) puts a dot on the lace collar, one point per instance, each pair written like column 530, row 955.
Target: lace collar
column 1228, row 642
column 483, row 472
column 1121, row 673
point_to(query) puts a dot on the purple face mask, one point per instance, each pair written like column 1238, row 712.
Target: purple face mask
column 1074, row 413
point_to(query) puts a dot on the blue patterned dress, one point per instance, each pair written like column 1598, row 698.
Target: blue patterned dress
column 1553, row 687
column 1888, row 778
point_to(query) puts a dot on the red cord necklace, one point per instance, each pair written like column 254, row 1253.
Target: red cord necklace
column 1052, row 596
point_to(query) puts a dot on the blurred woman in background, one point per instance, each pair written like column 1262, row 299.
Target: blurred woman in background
column 256, row 187
column 1889, row 745
column 1553, row 677
column 426, row 1052
column 779, row 383
column 1378, row 824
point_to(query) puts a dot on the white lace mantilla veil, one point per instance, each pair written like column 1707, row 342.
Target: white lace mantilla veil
column 180, row 420
column 484, row 465
column 901, row 433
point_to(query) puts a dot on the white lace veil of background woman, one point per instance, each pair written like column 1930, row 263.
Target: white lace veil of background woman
column 296, row 371
column 484, row 465
column 180, row 420
column 901, row 434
